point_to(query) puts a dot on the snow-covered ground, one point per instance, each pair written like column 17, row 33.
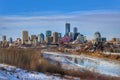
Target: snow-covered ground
column 102, row 66
column 111, row 53
column 13, row 73
column 65, row 62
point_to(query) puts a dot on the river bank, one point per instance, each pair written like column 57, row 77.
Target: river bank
column 96, row 54
column 99, row 65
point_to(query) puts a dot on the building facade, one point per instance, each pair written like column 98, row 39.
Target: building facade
column 41, row 38
column 55, row 37
column 75, row 30
column 10, row 40
column 3, row 38
column 49, row 40
column 71, row 34
column 97, row 37
column 59, row 35
column 24, row 37
column 75, row 36
column 67, row 29
column 48, row 33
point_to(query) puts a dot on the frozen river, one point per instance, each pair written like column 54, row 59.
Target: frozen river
column 89, row 63
column 99, row 65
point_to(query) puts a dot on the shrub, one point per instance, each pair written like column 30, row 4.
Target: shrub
column 30, row 59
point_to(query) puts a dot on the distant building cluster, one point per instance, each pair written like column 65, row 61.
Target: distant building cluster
column 116, row 39
column 70, row 37
column 98, row 38
column 74, row 37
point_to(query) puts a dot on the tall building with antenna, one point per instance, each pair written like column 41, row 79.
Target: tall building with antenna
column 67, row 29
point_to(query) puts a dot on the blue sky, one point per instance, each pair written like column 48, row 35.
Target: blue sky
column 37, row 16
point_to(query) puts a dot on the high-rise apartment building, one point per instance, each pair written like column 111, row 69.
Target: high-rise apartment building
column 71, row 35
column 24, row 37
column 75, row 36
column 75, row 30
column 4, row 41
column 3, row 38
column 32, row 37
column 10, row 40
column 18, row 41
column 59, row 35
column 55, row 37
column 48, row 33
column 81, row 38
column 41, row 38
column 67, row 29
column 49, row 39
column 97, row 37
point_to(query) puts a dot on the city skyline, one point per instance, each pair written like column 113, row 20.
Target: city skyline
column 72, row 30
column 36, row 17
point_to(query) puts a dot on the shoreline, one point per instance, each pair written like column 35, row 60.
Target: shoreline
column 94, row 55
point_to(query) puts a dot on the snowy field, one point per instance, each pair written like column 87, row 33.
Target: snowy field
column 13, row 73
column 111, row 53
column 82, row 62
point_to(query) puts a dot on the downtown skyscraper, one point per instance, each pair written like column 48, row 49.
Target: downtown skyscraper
column 67, row 29
column 24, row 37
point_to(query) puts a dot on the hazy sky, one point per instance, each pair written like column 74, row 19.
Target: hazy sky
column 37, row 16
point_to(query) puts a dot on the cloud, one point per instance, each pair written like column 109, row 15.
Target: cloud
column 107, row 22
